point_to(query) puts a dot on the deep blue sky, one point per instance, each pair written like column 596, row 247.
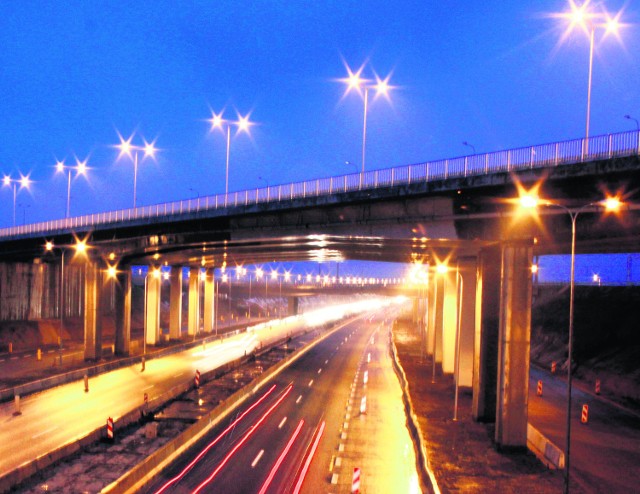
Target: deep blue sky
column 488, row 72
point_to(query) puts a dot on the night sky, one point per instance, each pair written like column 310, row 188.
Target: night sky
column 497, row 75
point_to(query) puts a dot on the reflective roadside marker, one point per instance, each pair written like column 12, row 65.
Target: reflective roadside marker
column 368, row 357
column 553, row 367
column 355, row 481
column 597, row 386
column 363, row 405
column 197, row 379
column 585, row 414
column 539, row 391
column 365, row 379
column 109, row 428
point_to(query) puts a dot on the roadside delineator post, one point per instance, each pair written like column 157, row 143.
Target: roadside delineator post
column 39, row 354
column 553, row 367
column 146, row 399
column 197, row 379
column 86, row 383
column 363, row 405
column 539, row 391
column 142, row 361
column 10, row 347
column 597, row 386
column 110, row 428
column 355, row 481
column 585, row 414
column 16, row 400
column 365, row 378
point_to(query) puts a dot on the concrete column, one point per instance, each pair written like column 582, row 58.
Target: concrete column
column 175, row 303
column 513, row 351
column 193, row 321
column 435, row 337
column 209, row 301
column 467, row 269
column 92, row 312
column 430, row 312
column 293, row 306
column 123, row 312
column 153, row 298
column 449, row 320
column 485, row 355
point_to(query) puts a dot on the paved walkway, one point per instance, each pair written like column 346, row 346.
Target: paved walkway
column 462, row 454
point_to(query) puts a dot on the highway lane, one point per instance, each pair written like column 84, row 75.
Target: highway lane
column 60, row 415
column 291, row 441
column 605, row 452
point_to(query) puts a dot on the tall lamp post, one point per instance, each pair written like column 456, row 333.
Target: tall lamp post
column 126, row 148
column 608, row 204
column 354, row 81
column 81, row 169
column 582, row 17
column 242, row 124
column 18, row 184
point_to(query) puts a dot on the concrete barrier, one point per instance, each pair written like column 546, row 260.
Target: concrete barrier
column 544, row 449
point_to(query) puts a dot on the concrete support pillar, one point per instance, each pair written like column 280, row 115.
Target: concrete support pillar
column 92, row 311
column 123, row 312
column 513, row 351
column 293, row 306
column 430, row 312
column 436, row 319
column 175, row 303
column 193, row 321
column 467, row 269
column 209, row 301
column 152, row 316
column 449, row 320
column 485, row 355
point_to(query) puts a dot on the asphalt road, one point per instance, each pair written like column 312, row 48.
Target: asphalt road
column 61, row 415
column 605, row 452
column 306, row 430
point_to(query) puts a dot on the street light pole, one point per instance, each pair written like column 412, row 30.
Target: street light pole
column 591, row 38
column 127, row 148
column 226, row 176
column 364, row 126
column 135, row 177
column 458, row 324
column 609, row 204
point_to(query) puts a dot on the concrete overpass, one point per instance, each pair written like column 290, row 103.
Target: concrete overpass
column 456, row 209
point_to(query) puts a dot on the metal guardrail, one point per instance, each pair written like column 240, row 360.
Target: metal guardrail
column 541, row 156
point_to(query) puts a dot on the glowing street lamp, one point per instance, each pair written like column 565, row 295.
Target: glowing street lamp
column 242, row 124
column 18, row 184
column 610, row 204
column 355, row 82
column 81, row 169
column 588, row 20
column 126, row 148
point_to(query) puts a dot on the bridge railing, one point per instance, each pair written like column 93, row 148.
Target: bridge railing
column 544, row 155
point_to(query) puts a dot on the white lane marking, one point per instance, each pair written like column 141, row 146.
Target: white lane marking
column 326, row 362
column 44, row 432
column 345, row 425
column 319, row 370
column 148, row 387
column 347, row 416
column 50, row 351
column 338, row 461
column 257, row 458
column 343, row 435
column 1, row 360
column 334, row 479
column 13, row 358
column 282, row 422
column 341, row 448
column 299, row 399
column 178, row 375
column 27, row 355
column 311, row 383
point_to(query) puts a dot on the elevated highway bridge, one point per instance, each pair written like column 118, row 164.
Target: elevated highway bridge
column 460, row 210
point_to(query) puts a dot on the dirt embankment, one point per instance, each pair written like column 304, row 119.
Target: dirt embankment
column 606, row 336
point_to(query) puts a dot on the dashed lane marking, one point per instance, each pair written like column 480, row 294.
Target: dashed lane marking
column 257, row 458
column 282, row 422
